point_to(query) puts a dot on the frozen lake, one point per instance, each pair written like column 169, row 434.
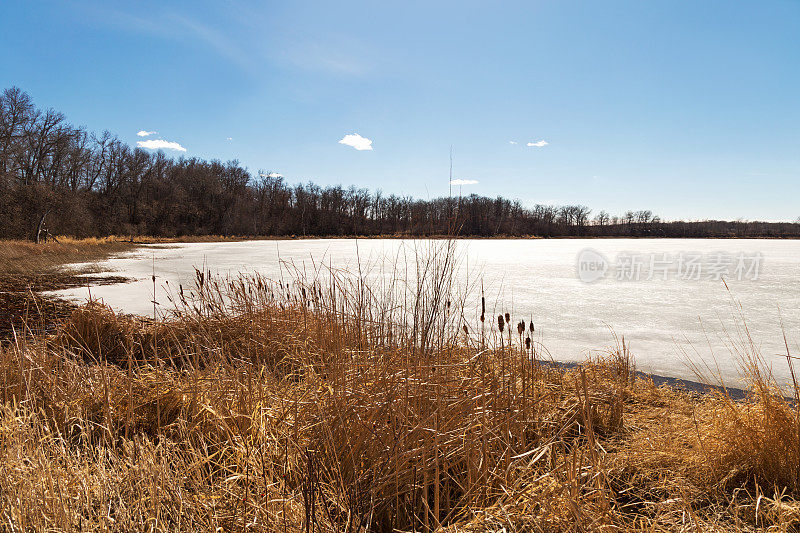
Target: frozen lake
column 667, row 297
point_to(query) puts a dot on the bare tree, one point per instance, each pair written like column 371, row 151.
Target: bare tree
column 88, row 184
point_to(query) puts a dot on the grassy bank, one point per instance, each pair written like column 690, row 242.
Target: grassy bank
column 340, row 406
column 26, row 258
column 27, row 269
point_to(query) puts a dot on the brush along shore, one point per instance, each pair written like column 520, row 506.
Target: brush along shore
column 28, row 269
column 324, row 407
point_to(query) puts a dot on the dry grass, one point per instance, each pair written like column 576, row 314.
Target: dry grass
column 27, row 269
column 25, row 258
column 338, row 406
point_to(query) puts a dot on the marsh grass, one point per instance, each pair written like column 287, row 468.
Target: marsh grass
column 25, row 258
column 328, row 402
column 28, row 269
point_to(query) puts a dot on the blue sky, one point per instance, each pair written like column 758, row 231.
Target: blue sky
column 688, row 108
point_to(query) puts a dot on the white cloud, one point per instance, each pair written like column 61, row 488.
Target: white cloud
column 271, row 175
column 463, row 182
column 144, row 133
column 539, row 144
column 159, row 144
column 357, row 141
column 512, row 142
column 229, row 139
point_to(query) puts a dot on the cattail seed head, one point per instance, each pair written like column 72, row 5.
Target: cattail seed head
column 527, row 343
column 483, row 306
column 466, row 330
column 508, row 319
column 531, row 325
column 521, row 327
column 500, row 323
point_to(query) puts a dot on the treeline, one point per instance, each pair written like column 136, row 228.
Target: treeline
column 80, row 183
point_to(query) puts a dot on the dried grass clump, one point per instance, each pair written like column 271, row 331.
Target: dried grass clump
column 335, row 406
column 754, row 442
column 94, row 332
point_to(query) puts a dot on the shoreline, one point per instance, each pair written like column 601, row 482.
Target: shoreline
column 243, row 238
column 25, row 306
column 691, row 387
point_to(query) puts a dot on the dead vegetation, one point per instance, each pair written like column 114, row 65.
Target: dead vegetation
column 343, row 406
column 27, row 259
column 27, row 269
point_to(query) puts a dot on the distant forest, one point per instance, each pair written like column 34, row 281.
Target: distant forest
column 75, row 182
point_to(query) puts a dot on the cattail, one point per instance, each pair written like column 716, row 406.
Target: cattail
column 483, row 309
column 521, row 327
column 466, row 330
column 531, row 325
column 527, row 343
column 500, row 323
column 508, row 319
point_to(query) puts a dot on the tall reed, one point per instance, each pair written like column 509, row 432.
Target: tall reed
column 329, row 401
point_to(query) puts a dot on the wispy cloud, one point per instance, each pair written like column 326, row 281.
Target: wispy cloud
column 459, row 181
column 229, row 139
column 271, row 175
column 238, row 36
column 356, row 141
column 538, row 144
column 334, row 56
column 240, row 48
column 144, row 133
column 160, row 144
column 512, row 142
column 107, row 15
column 227, row 46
